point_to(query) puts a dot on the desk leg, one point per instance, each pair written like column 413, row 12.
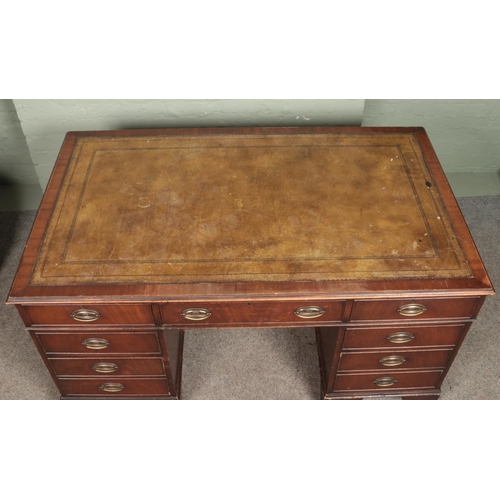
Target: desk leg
column 329, row 341
column 173, row 349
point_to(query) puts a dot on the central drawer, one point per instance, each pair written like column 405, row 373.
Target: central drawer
column 248, row 312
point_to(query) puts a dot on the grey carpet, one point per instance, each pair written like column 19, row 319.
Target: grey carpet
column 256, row 363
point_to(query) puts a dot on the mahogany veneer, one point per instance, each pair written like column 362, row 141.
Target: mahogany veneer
column 352, row 230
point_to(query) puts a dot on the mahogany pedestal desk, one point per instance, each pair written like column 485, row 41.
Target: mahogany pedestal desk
column 353, row 231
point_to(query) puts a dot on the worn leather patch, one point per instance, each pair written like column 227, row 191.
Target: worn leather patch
column 244, row 208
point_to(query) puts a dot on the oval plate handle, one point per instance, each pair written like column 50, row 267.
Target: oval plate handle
column 392, row 361
column 112, row 387
column 400, row 337
column 411, row 309
column 385, row 381
column 309, row 312
column 196, row 313
column 85, row 315
column 94, row 343
column 105, row 367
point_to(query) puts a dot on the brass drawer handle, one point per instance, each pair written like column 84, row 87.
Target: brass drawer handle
column 94, row 343
column 105, row 367
column 385, row 381
column 309, row 312
column 196, row 313
column 400, row 337
column 392, row 361
column 411, row 309
column 85, row 315
column 112, row 387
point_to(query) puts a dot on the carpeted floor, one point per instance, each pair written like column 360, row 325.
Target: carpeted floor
column 257, row 363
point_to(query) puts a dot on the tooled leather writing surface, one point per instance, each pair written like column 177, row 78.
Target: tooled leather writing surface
column 224, row 208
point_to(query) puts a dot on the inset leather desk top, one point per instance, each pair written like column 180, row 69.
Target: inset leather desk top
column 273, row 206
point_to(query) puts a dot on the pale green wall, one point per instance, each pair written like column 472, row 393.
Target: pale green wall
column 464, row 133
column 19, row 183
column 45, row 122
column 16, row 166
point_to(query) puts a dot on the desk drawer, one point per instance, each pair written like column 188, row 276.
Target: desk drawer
column 400, row 360
column 99, row 343
column 106, row 367
column 115, row 387
column 139, row 314
column 409, row 310
column 247, row 312
column 403, row 337
column 397, row 380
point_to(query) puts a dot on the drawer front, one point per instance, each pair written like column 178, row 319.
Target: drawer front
column 399, row 360
column 233, row 313
column 139, row 314
column 418, row 309
column 100, row 343
column 403, row 337
column 115, row 387
column 106, row 367
column 379, row 381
